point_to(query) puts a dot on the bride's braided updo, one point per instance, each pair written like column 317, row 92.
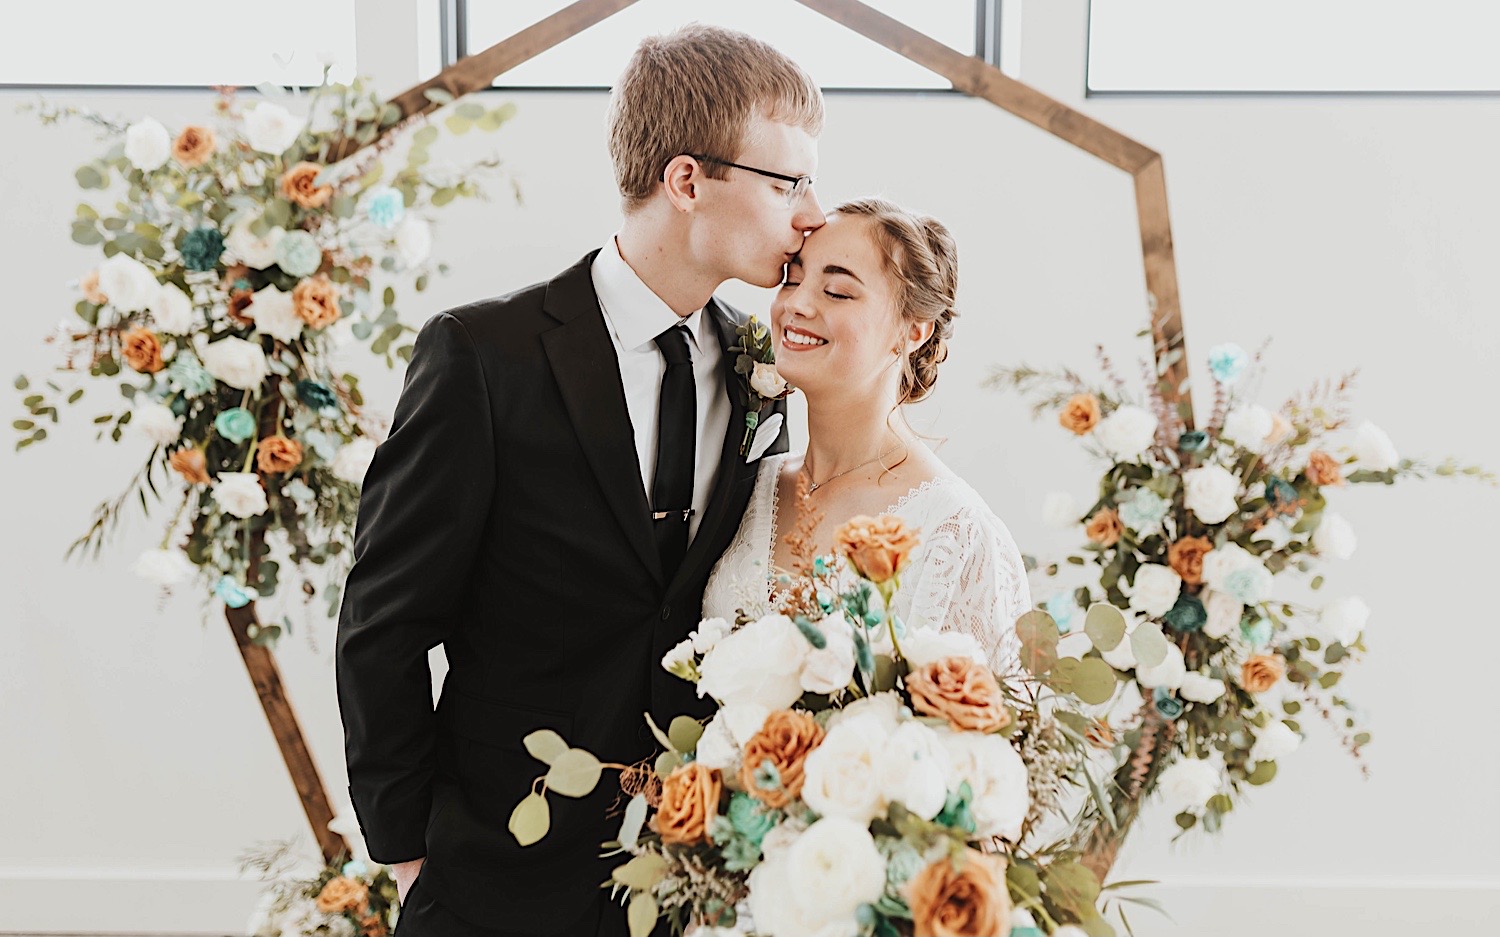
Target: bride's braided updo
column 922, row 258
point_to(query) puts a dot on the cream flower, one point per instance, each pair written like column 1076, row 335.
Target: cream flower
column 236, row 362
column 1209, row 492
column 270, row 128
column 1127, row 432
column 240, row 493
column 147, row 144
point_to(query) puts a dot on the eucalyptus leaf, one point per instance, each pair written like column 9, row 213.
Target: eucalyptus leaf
column 641, row 915
column 1264, row 773
column 1105, row 626
column 574, row 773
column 1094, row 681
column 684, row 733
column 545, row 745
column 438, row 96
column 1148, row 644
column 641, row 872
column 635, row 818
column 530, row 820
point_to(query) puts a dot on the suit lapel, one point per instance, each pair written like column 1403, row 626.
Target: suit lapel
column 587, row 371
column 733, row 471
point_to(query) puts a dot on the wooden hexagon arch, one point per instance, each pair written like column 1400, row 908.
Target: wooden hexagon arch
column 967, row 74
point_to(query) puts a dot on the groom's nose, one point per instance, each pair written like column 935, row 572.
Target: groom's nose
column 809, row 214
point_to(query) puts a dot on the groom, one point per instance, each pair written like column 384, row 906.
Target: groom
column 562, row 472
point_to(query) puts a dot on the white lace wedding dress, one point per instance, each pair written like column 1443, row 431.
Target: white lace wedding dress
column 967, row 574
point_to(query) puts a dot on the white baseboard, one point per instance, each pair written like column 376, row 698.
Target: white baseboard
column 194, row 903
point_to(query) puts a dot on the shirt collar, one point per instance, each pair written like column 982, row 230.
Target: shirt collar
column 636, row 314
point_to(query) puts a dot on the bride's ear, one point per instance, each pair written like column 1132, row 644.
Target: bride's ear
column 917, row 334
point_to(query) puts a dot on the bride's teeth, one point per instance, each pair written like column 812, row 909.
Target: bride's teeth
column 805, row 339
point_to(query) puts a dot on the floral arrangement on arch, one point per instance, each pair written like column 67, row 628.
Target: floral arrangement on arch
column 859, row 776
column 348, row 897
column 1198, row 556
column 239, row 265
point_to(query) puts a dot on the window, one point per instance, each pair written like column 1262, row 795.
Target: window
column 1293, row 46
column 175, row 43
column 836, row 57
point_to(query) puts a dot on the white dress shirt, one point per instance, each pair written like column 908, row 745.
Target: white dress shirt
column 635, row 316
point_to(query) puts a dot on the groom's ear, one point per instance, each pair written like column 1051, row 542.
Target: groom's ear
column 680, row 182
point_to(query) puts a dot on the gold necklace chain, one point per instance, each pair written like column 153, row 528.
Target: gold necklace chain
column 814, row 486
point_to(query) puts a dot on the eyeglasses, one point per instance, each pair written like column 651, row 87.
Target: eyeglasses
column 800, row 184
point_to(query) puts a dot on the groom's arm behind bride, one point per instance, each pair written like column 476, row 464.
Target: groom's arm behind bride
column 421, row 515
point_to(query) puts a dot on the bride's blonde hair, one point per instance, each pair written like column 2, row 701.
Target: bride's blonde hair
column 920, row 255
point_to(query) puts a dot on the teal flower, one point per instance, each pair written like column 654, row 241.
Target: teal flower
column 1280, row 492
column 1168, row 705
column 233, row 594
column 1257, row 633
column 1062, row 607
column 1227, row 362
column 315, row 394
column 201, row 248
column 1187, row 615
column 188, row 373
column 749, row 819
column 1194, row 440
column 298, row 254
column 1250, row 584
column 235, row 424
column 386, row 207
column 1144, row 512
column 354, row 869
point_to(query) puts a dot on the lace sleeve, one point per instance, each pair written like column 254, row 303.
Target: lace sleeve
column 968, row 575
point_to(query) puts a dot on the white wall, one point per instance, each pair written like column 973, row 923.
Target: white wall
column 1356, row 232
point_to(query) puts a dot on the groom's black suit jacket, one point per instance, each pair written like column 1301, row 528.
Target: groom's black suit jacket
column 504, row 517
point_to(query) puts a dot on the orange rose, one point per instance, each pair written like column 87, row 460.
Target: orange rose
column 1261, row 672
column 372, row 926
column 193, row 146
column 316, row 301
column 1186, row 558
column 344, row 894
column 877, row 546
column 1324, row 469
column 297, row 186
column 90, row 286
column 689, row 803
column 961, row 898
column 785, row 741
column 190, row 464
column 1080, row 414
column 276, row 454
column 1104, row 528
column 961, row 691
column 142, row 351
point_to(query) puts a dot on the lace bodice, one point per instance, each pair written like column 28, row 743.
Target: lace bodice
column 967, row 573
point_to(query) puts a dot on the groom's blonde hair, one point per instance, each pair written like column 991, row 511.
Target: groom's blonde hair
column 694, row 91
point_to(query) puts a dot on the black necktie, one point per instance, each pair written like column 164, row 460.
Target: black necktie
column 676, row 432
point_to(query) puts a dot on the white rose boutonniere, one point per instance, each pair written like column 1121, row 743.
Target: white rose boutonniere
column 755, row 363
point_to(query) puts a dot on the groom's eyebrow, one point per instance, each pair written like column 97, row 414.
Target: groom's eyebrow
column 834, row 268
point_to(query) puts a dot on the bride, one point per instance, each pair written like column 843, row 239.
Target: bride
column 861, row 325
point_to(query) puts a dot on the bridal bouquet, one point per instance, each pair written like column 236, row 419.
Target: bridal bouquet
column 1207, row 547
column 238, row 263
column 858, row 777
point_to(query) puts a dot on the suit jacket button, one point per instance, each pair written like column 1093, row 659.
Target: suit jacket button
column 666, row 612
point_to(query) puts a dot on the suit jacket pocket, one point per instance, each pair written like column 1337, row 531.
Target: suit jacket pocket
column 494, row 768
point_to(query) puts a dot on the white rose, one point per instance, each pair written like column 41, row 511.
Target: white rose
column 164, row 567
column 914, row 770
column 759, row 663
column 240, row 493
column 1060, row 510
column 1249, row 426
column 1334, row 537
column 766, row 381
column 922, row 646
column 1189, row 783
column 129, row 284
column 147, row 144
column 882, row 712
column 1128, row 431
column 1155, row 589
column 252, row 251
column 1343, row 619
column 1121, row 656
column 726, row 734
column 157, row 423
column 830, row 668
column 270, row 128
column 1201, row 688
column 275, row 314
column 353, row 460
column 997, row 777
column 838, row 868
column 1169, row 674
column 1220, row 562
column 172, row 310
column 1209, row 492
column 708, row 633
column 779, row 903
column 236, row 362
column 413, row 240
column 1373, row 449
column 1273, row 742
column 1224, row 614
column 679, row 659
column 841, row 776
